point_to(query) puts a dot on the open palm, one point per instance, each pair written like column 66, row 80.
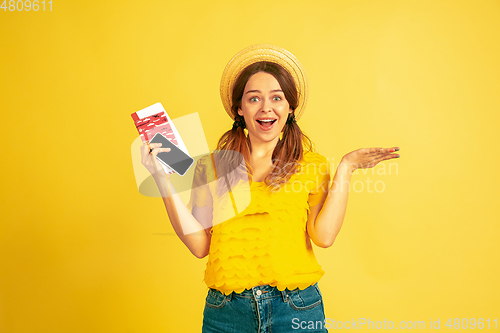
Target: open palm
column 368, row 157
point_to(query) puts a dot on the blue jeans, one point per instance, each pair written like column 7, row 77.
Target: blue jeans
column 264, row 309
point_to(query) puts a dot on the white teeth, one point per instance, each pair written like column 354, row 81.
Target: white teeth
column 266, row 120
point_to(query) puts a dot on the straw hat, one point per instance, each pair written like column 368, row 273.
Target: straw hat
column 263, row 52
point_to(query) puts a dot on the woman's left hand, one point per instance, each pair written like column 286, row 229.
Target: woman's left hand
column 368, row 157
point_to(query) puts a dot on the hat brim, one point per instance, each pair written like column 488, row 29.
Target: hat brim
column 264, row 52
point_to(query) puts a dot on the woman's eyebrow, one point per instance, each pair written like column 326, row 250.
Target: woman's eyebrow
column 258, row 91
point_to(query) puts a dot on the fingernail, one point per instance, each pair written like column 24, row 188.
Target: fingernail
column 397, row 149
column 397, row 156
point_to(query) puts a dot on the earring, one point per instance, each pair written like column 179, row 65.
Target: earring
column 245, row 131
column 281, row 136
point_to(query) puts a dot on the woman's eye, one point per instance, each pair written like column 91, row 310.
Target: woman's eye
column 277, row 98
column 254, row 99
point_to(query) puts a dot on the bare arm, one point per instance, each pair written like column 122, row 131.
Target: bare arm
column 325, row 220
column 185, row 225
column 190, row 231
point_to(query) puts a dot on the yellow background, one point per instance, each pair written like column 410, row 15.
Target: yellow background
column 81, row 250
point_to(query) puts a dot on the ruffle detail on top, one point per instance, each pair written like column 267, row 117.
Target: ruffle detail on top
column 267, row 242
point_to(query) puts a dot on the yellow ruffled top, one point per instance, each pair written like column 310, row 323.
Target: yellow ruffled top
column 262, row 238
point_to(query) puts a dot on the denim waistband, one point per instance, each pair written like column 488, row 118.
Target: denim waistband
column 261, row 292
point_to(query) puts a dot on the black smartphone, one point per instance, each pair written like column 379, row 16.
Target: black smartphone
column 176, row 159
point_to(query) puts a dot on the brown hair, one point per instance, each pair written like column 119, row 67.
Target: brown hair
column 288, row 151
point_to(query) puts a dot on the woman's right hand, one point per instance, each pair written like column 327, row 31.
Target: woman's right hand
column 148, row 157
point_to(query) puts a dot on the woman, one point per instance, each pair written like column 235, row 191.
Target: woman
column 261, row 272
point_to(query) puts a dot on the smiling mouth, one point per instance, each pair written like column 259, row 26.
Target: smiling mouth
column 266, row 122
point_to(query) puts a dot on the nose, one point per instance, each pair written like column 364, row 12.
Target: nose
column 266, row 105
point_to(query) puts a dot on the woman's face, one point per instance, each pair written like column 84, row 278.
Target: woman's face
column 264, row 107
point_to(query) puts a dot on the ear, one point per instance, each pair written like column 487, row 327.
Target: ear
column 290, row 110
column 240, row 112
